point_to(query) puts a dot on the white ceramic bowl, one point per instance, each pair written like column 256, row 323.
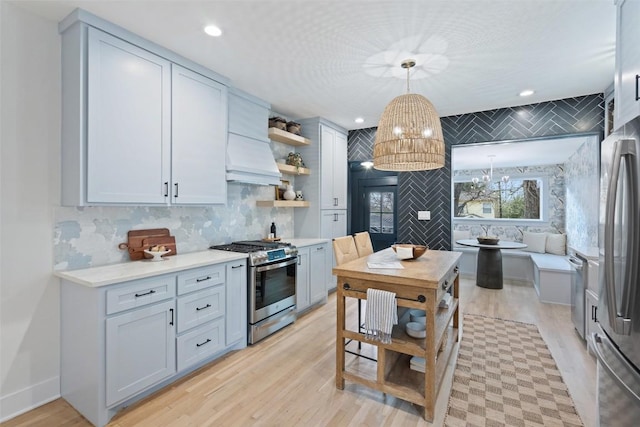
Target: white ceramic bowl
column 416, row 330
column 419, row 316
column 157, row 256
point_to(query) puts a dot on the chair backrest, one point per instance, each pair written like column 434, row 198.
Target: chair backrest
column 344, row 249
column 363, row 243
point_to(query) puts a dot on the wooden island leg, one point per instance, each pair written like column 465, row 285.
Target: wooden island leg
column 340, row 325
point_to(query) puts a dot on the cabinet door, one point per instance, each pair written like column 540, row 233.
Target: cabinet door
column 317, row 273
column 128, row 122
column 591, row 312
column 333, row 223
column 340, row 168
column 236, row 317
column 302, row 280
column 141, row 350
column 327, row 145
column 198, row 139
column 627, row 103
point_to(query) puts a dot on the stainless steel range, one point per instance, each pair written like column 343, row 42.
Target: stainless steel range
column 271, row 279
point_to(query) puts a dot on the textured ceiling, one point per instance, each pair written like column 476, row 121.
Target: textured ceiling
column 341, row 59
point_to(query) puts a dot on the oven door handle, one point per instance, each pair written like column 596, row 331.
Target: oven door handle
column 268, row 267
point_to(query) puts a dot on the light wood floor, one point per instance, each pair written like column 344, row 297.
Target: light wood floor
column 288, row 378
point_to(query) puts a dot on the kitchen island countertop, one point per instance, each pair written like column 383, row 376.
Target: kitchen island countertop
column 117, row 273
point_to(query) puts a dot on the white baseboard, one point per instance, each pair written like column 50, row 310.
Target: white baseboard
column 24, row 400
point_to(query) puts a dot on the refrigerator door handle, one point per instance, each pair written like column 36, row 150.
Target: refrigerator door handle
column 600, row 342
column 625, row 148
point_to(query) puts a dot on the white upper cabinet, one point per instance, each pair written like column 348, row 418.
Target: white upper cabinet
column 198, row 135
column 334, row 165
column 128, row 122
column 138, row 128
column 627, row 78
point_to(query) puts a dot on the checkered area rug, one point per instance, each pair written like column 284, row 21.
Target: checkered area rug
column 505, row 376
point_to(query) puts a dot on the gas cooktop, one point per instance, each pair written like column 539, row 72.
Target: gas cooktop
column 261, row 252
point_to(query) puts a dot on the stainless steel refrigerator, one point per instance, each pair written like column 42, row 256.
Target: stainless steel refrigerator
column 617, row 342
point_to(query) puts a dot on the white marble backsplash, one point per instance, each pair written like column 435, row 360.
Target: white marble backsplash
column 89, row 236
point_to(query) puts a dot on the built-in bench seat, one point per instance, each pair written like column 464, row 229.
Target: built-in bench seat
column 549, row 274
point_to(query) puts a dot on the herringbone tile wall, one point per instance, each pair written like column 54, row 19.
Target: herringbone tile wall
column 431, row 190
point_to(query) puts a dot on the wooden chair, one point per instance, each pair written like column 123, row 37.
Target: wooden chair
column 344, row 249
column 363, row 243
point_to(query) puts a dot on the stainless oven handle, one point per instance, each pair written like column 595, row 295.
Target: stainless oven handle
column 275, row 266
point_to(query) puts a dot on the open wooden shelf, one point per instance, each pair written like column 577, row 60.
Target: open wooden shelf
column 287, row 137
column 293, row 170
column 283, row 203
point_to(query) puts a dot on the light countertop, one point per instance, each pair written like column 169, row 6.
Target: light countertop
column 305, row 242
column 590, row 253
column 117, row 273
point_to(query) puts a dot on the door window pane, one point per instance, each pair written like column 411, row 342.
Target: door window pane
column 381, row 218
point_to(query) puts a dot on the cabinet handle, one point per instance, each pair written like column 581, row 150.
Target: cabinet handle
column 236, row 266
column 637, row 94
column 203, row 279
column 321, row 248
column 335, row 217
column 171, row 311
column 203, row 343
column 594, row 313
column 335, row 201
column 299, row 260
column 202, row 308
column 445, row 284
column 166, row 189
column 146, row 293
column 175, row 195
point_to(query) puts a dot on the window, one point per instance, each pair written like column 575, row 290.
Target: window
column 518, row 198
column 381, row 212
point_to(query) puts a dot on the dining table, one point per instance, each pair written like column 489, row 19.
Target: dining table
column 489, row 264
column 407, row 367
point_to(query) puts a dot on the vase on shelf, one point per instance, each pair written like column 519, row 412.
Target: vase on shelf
column 289, row 194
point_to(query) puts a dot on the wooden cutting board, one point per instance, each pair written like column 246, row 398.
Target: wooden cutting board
column 137, row 242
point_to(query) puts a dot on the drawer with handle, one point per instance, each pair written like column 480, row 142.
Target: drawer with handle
column 200, row 307
column 200, row 343
column 200, row 278
column 139, row 293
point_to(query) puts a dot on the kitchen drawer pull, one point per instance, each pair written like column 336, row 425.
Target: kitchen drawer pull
column 236, row 266
column 203, row 279
column 166, row 189
column 637, row 94
column 445, row 284
column 176, row 192
column 202, row 308
column 321, row 248
column 146, row 293
column 456, row 269
column 203, row 343
column 171, row 311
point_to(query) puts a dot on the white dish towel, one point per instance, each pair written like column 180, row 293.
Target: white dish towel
column 381, row 315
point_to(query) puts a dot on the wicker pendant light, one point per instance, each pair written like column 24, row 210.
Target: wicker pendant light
column 409, row 135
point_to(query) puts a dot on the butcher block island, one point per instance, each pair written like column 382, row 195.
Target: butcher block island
column 419, row 284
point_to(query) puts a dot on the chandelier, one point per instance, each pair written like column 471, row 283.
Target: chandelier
column 409, row 135
column 488, row 179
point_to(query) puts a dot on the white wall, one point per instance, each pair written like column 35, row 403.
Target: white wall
column 29, row 190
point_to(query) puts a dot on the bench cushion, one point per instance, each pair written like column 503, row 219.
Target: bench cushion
column 550, row 262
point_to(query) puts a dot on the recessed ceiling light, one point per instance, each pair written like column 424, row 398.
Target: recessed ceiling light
column 359, row 120
column 527, row 92
column 213, row 31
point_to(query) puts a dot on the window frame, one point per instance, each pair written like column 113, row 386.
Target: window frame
column 544, row 200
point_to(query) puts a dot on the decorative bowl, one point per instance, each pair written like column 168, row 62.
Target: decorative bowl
column 488, row 240
column 418, row 316
column 417, row 250
column 416, row 330
column 157, row 255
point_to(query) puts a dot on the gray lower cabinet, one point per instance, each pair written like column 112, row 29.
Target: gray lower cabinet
column 311, row 276
column 140, row 350
column 121, row 342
